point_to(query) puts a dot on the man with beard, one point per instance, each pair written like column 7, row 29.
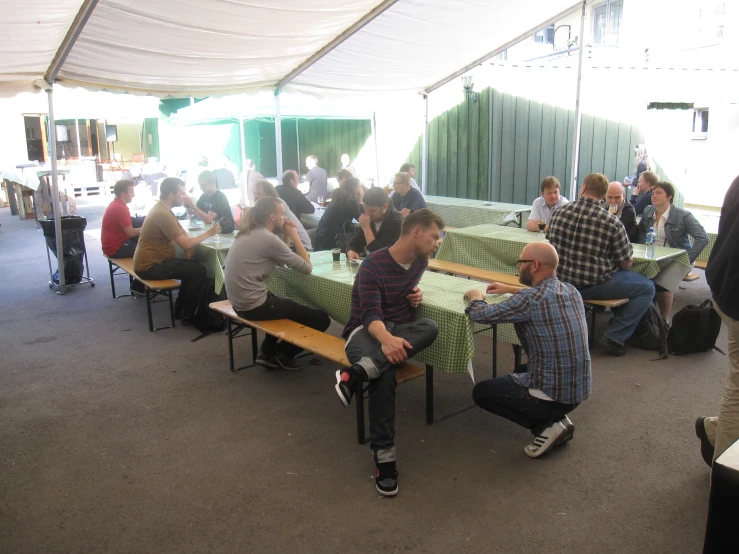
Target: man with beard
column 155, row 259
column 383, row 332
column 549, row 319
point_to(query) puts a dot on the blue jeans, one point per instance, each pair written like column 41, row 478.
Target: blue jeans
column 624, row 284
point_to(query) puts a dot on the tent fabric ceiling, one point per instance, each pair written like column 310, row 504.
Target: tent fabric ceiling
column 219, row 47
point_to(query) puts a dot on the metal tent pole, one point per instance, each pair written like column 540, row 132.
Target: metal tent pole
column 373, row 130
column 55, row 193
column 77, row 131
column 278, row 133
column 242, row 177
column 297, row 144
column 578, row 115
column 425, row 154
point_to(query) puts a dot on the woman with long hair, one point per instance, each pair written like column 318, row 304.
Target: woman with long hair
column 344, row 207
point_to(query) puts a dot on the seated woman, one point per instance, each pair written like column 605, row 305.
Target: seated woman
column 674, row 227
column 344, row 207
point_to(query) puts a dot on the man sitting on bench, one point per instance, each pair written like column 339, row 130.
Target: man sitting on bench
column 549, row 319
column 117, row 234
column 155, row 255
column 382, row 333
column 254, row 254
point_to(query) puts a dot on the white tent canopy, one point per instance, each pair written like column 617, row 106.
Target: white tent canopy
column 218, row 47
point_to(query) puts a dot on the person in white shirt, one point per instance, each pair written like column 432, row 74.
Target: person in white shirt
column 410, row 169
column 345, row 164
column 544, row 206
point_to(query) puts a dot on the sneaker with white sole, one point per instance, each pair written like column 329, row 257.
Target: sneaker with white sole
column 347, row 385
column 569, row 434
column 545, row 440
column 386, row 479
column 287, row 363
column 267, row 362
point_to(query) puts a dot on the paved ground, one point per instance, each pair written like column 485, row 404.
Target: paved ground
column 114, row 439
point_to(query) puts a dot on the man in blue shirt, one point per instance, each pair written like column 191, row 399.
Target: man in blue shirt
column 406, row 199
column 642, row 196
column 549, row 319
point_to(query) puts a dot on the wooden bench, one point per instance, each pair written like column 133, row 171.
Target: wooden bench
column 320, row 343
column 154, row 288
column 490, row 276
column 701, row 264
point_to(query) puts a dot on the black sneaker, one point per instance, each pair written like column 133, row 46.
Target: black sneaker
column 612, row 347
column 707, row 448
column 287, row 363
column 137, row 288
column 386, row 479
column 569, row 433
column 186, row 322
column 267, row 362
column 347, row 384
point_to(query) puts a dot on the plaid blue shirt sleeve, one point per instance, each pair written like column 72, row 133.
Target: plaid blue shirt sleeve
column 513, row 310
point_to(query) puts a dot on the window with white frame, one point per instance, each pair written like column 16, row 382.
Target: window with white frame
column 700, row 121
column 607, row 18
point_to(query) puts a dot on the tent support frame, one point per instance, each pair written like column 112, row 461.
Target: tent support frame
column 578, row 114
column 278, row 134
column 504, row 47
column 425, row 154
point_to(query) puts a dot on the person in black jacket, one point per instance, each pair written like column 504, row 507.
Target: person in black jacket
column 616, row 203
column 295, row 200
column 344, row 207
column 380, row 225
column 722, row 273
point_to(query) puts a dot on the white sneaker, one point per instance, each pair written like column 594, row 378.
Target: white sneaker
column 570, row 431
column 545, row 440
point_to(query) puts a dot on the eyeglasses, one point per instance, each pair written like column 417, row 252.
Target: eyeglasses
column 519, row 262
column 397, row 183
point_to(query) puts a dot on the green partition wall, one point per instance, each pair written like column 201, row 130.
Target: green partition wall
column 500, row 148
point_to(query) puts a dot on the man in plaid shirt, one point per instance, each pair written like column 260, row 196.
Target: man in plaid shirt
column 595, row 256
column 549, row 319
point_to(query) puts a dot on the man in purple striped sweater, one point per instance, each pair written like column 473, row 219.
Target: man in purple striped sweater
column 381, row 332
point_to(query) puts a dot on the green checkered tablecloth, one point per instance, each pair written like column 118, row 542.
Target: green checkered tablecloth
column 707, row 250
column 497, row 248
column 329, row 287
column 462, row 212
column 212, row 253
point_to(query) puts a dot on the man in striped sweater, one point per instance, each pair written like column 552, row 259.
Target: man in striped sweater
column 382, row 332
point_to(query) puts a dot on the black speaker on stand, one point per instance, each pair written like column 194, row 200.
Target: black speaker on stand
column 111, row 136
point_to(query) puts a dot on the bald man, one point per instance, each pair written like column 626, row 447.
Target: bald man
column 616, row 204
column 549, row 319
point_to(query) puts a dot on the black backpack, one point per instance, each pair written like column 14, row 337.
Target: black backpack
column 206, row 320
column 345, row 236
column 694, row 329
column 651, row 333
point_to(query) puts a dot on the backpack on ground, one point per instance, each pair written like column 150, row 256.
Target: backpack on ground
column 651, row 333
column 206, row 320
column 694, row 329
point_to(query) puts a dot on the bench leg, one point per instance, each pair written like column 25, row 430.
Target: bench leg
column 591, row 331
column 148, row 309
column 171, row 307
column 230, row 346
column 112, row 281
column 516, row 357
column 254, row 345
column 495, row 351
column 429, row 394
column 361, row 438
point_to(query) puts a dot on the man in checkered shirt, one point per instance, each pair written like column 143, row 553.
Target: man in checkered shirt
column 595, row 256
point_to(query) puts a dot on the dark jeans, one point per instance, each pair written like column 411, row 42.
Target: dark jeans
column 282, row 308
column 191, row 275
column 127, row 249
column 364, row 350
column 505, row 397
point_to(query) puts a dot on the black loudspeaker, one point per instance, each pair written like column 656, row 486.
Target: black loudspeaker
column 111, row 133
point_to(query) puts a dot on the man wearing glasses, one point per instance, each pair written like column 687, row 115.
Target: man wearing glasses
column 406, row 199
column 549, row 319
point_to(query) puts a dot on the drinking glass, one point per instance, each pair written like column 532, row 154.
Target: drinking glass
column 320, row 201
column 542, row 224
column 353, row 268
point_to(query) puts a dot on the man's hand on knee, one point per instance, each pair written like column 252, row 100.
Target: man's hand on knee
column 394, row 349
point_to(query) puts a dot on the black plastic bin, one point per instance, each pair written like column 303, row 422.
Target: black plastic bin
column 73, row 246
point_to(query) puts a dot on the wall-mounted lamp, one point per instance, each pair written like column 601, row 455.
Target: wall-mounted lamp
column 467, row 84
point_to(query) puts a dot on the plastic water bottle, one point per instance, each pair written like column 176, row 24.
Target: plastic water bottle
column 649, row 242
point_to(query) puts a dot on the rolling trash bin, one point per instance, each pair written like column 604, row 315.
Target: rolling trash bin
column 74, row 254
